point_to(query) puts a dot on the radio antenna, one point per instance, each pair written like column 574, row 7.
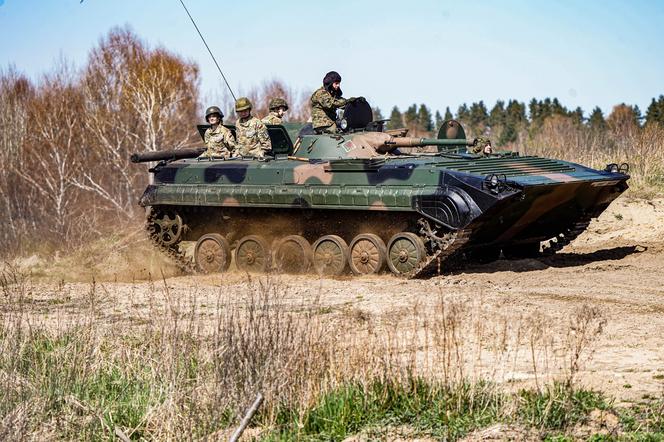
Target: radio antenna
column 208, row 48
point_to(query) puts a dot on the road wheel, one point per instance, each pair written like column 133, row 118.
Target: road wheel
column 212, row 253
column 367, row 254
column 252, row 254
column 293, row 254
column 330, row 255
column 405, row 251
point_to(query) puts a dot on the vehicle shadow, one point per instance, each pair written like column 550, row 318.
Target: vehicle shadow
column 557, row 260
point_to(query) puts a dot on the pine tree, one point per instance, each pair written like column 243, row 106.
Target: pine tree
column 448, row 114
column 377, row 114
column 463, row 114
column 396, row 119
column 424, row 118
column 508, row 135
column 515, row 112
column 410, row 116
column 596, row 121
column 557, row 108
column 439, row 119
column 577, row 116
column 534, row 110
column 515, row 120
column 655, row 112
column 637, row 115
column 497, row 115
column 479, row 117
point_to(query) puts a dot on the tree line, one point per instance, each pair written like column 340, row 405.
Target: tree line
column 505, row 121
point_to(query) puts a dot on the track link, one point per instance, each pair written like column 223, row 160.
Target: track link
column 173, row 252
column 445, row 247
column 558, row 242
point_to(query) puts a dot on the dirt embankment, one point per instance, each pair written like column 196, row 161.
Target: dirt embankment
column 615, row 266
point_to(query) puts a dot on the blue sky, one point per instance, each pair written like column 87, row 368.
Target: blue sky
column 440, row 53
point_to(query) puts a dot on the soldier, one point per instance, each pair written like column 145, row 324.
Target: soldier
column 482, row 145
column 252, row 137
column 278, row 108
column 218, row 139
column 325, row 102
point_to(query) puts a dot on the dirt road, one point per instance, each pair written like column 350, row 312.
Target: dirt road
column 616, row 266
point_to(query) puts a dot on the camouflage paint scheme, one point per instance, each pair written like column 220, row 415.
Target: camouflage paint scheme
column 327, row 179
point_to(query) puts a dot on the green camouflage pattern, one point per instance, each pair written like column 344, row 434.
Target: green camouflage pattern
column 323, row 109
column 219, row 142
column 252, row 137
column 276, row 103
column 271, row 118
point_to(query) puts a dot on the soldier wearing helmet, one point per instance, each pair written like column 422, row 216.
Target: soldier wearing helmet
column 219, row 140
column 252, row 137
column 325, row 102
column 278, row 108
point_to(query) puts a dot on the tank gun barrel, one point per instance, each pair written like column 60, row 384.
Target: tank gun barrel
column 416, row 142
column 167, row 155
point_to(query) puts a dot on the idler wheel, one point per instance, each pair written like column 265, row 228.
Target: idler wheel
column 367, row 254
column 405, row 251
column 212, row 253
column 252, row 254
column 293, row 254
column 330, row 255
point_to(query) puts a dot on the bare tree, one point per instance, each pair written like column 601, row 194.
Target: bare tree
column 136, row 99
column 50, row 162
column 15, row 91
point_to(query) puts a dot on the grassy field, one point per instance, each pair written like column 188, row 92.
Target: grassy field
column 173, row 370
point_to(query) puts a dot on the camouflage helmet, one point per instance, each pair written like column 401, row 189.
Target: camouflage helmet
column 213, row 110
column 276, row 103
column 242, row 104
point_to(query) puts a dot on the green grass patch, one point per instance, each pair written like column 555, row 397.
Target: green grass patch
column 557, row 406
column 427, row 408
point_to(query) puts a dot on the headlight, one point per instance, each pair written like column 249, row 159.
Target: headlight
column 343, row 124
column 613, row 168
column 492, row 182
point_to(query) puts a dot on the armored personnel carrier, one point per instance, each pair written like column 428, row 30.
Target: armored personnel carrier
column 364, row 201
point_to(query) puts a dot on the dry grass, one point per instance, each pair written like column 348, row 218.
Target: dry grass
column 642, row 149
column 171, row 369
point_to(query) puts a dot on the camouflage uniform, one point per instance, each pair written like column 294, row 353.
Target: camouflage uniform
column 252, row 137
column 272, row 118
column 219, row 142
column 480, row 144
column 323, row 110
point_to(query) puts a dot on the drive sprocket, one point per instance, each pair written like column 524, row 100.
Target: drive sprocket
column 165, row 230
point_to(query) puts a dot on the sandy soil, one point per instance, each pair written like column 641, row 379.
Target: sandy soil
column 615, row 266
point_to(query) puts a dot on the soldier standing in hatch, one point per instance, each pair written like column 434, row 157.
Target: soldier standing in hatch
column 252, row 137
column 219, row 140
column 278, row 108
column 325, row 102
